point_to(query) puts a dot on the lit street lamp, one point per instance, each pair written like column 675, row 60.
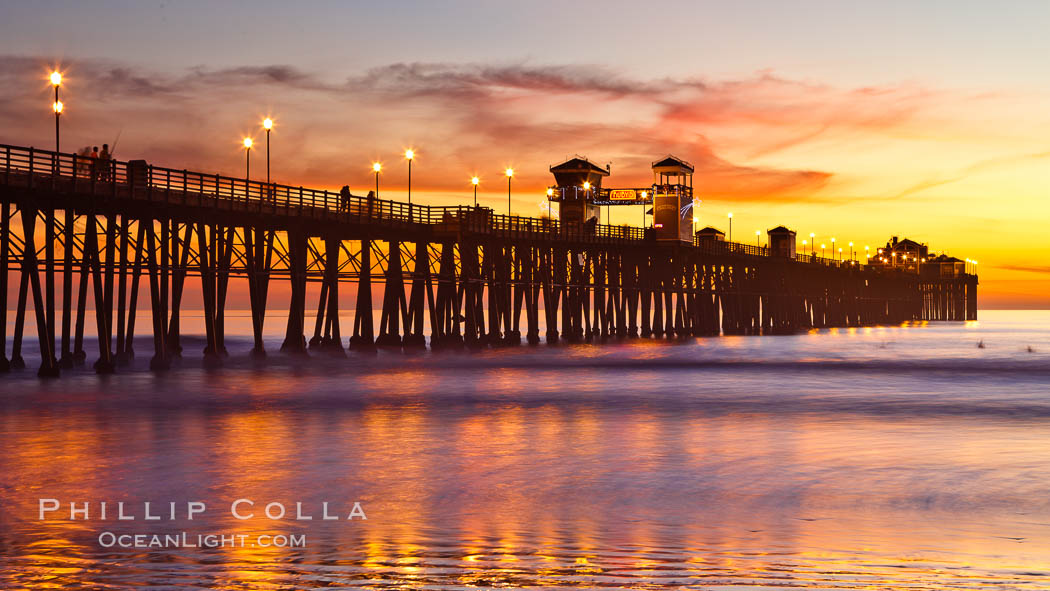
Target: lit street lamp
column 56, row 81
column 510, row 174
column 409, row 155
column 267, row 125
column 812, row 243
column 730, row 227
column 474, row 181
column 822, row 246
column 377, row 167
column 550, row 194
column 758, row 238
column 247, row 158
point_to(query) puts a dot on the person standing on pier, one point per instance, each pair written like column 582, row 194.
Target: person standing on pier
column 344, row 198
column 94, row 163
column 104, row 162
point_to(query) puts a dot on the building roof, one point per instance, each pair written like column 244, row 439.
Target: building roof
column 906, row 243
column 780, row 230
column 710, row 230
column 944, row 259
column 671, row 161
column 579, row 164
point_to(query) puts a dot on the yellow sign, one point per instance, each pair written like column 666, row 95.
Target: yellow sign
column 622, row 195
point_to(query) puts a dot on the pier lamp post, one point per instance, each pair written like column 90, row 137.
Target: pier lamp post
column 645, row 195
column 56, row 81
column 839, row 256
column 376, row 167
column 758, row 238
column 867, row 255
column 474, row 181
column 550, row 194
column 730, row 227
column 804, row 247
column 247, row 159
column 851, row 250
column 268, row 125
column 832, row 245
column 822, row 246
column 409, row 155
column 812, row 243
column 510, row 174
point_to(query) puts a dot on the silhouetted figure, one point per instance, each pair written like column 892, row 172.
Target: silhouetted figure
column 371, row 198
column 94, row 163
column 84, row 161
column 980, row 344
column 590, row 225
column 344, row 198
column 105, row 163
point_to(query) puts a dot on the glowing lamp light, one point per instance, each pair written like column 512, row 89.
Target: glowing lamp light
column 474, row 181
column 267, row 124
column 758, row 232
column 248, row 143
column 56, row 78
column 377, row 166
column 409, row 154
column 851, row 244
column 696, row 220
column 730, row 215
column 803, row 243
column 586, row 185
column 550, row 192
column 509, row 172
column 645, row 194
column 57, row 106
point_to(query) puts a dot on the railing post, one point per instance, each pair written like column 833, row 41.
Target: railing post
column 300, row 198
column 74, row 173
column 31, row 154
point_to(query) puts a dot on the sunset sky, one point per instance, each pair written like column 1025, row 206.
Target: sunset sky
column 929, row 120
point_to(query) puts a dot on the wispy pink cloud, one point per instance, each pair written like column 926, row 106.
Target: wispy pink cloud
column 463, row 118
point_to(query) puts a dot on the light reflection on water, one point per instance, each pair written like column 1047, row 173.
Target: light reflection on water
column 870, row 458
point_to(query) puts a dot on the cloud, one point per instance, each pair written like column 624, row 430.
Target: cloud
column 467, row 116
column 1042, row 269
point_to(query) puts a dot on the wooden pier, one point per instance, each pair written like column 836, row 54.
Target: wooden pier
column 464, row 276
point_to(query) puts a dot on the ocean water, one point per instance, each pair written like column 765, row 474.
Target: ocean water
column 898, row 457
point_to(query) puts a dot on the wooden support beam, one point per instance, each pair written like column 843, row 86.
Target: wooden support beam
column 294, row 338
column 48, row 363
column 363, row 338
column 5, row 267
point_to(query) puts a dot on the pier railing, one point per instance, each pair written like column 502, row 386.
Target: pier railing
column 137, row 179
